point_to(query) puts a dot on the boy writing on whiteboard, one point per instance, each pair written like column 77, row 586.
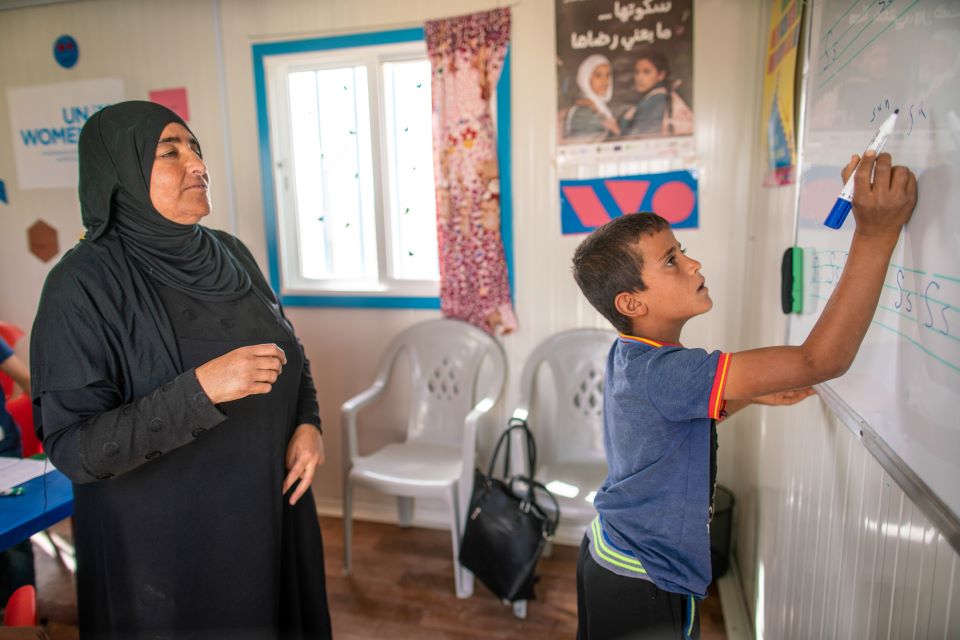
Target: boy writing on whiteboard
column 645, row 560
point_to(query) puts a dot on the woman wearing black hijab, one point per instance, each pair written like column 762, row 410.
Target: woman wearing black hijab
column 172, row 391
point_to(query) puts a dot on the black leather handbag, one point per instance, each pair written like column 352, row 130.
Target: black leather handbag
column 506, row 528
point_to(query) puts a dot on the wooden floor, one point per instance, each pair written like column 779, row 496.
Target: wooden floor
column 401, row 589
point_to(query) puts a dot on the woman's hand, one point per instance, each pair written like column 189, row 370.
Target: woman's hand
column 783, row 398
column 611, row 125
column 304, row 455
column 242, row 372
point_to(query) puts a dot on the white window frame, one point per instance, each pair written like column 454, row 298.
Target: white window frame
column 264, row 52
column 277, row 70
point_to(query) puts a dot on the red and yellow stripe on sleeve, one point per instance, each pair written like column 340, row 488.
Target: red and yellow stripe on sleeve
column 719, row 382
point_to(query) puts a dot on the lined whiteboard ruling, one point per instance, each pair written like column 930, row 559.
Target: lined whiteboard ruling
column 845, row 201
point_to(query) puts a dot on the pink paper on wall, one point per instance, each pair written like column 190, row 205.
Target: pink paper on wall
column 173, row 99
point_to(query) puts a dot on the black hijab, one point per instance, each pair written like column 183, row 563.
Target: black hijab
column 100, row 317
column 117, row 149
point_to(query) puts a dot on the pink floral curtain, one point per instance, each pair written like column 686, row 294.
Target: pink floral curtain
column 467, row 54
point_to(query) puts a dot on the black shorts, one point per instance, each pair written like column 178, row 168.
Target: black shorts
column 613, row 607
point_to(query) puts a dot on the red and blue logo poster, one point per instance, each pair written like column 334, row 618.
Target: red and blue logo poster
column 587, row 204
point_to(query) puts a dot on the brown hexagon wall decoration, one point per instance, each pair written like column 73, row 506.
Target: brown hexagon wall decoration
column 42, row 240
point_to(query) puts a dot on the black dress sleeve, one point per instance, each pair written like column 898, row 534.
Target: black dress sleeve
column 89, row 435
column 308, row 412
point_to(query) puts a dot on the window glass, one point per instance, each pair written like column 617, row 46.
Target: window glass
column 333, row 173
column 412, row 191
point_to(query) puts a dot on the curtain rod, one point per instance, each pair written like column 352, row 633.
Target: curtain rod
column 319, row 33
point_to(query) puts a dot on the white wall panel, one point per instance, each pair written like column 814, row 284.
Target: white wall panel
column 842, row 551
column 827, row 545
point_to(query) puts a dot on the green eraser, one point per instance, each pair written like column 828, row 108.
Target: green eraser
column 797, row 288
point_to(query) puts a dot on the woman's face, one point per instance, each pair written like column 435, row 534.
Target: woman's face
column 646, row 76
column 600, row 79
column 179, row 184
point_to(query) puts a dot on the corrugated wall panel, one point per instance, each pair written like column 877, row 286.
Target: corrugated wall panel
column 836, row 548
column 827, row 544
column 944, row 620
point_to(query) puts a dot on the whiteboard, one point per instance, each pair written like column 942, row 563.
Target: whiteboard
column 866, row 58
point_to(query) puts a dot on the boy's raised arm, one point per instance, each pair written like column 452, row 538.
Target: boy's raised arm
column 881, row 208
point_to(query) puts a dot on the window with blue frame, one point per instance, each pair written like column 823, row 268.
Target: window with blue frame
column 347, row 168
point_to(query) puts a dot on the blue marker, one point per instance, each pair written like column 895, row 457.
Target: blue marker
column 845, row 201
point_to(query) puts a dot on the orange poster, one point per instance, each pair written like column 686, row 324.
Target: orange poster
column 778, row 92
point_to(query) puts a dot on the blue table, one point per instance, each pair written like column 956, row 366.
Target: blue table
column 47, row 500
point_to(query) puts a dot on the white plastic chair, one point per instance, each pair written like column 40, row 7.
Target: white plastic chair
column 570, row 457
column 437, row 458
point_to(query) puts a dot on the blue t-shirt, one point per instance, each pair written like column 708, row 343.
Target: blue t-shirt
column 659, row 406
column 10, row 444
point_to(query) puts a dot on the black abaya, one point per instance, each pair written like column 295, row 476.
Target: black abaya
column 181, row 529
column 186, row 533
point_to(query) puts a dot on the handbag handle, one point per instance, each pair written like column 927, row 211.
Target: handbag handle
column 530, row 499
column 521, row 425
column 515, row 424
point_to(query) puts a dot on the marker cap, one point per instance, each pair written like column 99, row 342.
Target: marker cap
column 838, row 214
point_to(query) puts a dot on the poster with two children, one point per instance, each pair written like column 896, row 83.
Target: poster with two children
column 624, row 70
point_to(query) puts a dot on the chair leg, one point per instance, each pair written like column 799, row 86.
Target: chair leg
column 405, row 511
column 462, row 577
column 46, row 534
column 347, row 523
column 66, row 552
column 520, row 609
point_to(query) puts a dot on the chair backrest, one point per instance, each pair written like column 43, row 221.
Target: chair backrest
column 573, row 430
column 446, row 358
column 10, row 334
column 21, row 610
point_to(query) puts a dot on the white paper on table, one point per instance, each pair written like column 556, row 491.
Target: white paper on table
column 16, row 471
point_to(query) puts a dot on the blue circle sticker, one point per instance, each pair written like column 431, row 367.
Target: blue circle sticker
column 66, row 51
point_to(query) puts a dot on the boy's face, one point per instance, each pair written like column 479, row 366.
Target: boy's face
column 675, row 290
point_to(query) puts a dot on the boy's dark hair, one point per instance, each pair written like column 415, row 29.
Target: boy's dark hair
column 657, row 59
column 606, row 264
